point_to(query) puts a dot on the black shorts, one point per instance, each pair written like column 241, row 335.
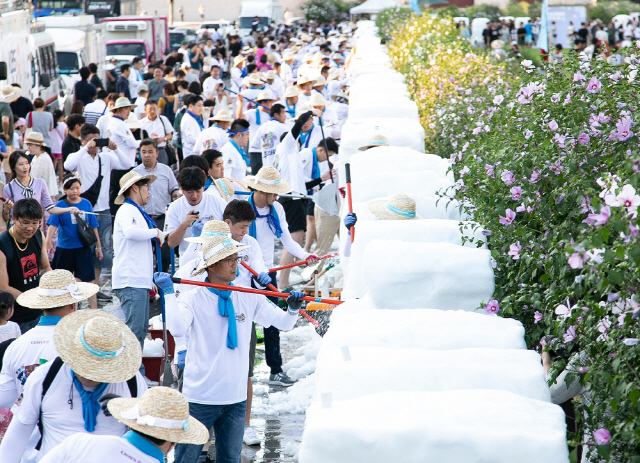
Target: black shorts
column 296, row 212
column 78, row 261
column 310, row 206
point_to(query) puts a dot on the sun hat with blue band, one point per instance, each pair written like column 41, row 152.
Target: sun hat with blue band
column 98, row 346
column 267, row 180
column 217, row 244
column 162, row 413
column 57, row 288
column 396, row 207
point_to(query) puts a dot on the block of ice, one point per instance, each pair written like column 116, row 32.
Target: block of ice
column 427, row 207
column 357, row 323
column 381, row 184
column 396, row 160
column 386, row 82
column 436, row 275
column 473, row 426
column 370, row 370
column 153, row 348
column 398, row 107
column 418, row 231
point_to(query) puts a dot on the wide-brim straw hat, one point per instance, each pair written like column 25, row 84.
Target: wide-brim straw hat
column 9, row 94
column 212, row 230
column 267, row 180
column 224, row 115
column 162, row 413
column 270, row 75
column 98, row 346
column 239, row 59
column 320, row 81
column 317, row 100
column 300, row 110
column 375, row 141
column 266, row 95
column 304, row 80
column 215, row 248
column 128, row 180
column 288, row 56
column 340, row 95
column 224, row 186
column 57, row 288
column 292, row 92
column 34, row 138
column 396, row 207
column 254, row 79
column 122, row 102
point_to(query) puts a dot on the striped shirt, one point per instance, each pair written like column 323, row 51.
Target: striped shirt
column 94, row 110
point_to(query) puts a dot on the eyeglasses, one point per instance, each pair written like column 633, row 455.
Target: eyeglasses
column 233, row 261
column 35, row 225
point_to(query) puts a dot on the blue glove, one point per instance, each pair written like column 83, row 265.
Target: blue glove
column 263, row 278
column 182, row 355
column 196, row 228
column 295, row 302
column 164, row 282
column 350, row 220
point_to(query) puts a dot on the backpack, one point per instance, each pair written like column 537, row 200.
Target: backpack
column 6, row 244
column 51, row 375
column 168, row 110
column 176, row 127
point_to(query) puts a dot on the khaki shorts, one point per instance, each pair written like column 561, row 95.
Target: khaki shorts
column 252, row 349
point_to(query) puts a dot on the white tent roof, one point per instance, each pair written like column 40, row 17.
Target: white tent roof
column 373, row 6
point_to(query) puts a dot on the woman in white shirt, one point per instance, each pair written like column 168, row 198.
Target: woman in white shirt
column 41, row 164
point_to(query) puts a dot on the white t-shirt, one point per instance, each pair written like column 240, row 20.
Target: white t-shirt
column 234, row 164
column 209, row 85
column 22, row 356
column 211, row 207
column 120, row 134
column 9, row 330
column 59, row 419
column 215, row 374
column 266, row 139
column 189, row 131
column 84, row 448
column 132, row 249
column 289, row 163
column 139, row 110
column 103, row 123
column 159, row 127
column 255, row 118
column 212, row 138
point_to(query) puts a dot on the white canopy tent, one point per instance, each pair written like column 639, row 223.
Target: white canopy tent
column 373, row 7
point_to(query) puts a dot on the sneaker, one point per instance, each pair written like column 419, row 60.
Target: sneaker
column 280, row 379
column 151, row 383
column 250, row 436
column 104, row 297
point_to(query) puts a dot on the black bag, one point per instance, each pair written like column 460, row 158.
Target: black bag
column 86, row 234
column 171, row 154
column 93, row 193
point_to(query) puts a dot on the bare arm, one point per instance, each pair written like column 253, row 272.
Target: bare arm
column 51, row 230
column 4, row 277
column 45, row 266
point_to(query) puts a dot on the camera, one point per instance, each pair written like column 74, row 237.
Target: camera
column 102, row 142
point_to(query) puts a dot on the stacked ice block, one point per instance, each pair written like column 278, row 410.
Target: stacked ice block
column 410, row 370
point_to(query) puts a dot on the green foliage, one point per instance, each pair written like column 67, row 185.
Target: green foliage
column 607, row 10
column 483, row 11
column 450, row 10
column 391, row 19
column 557, row 146
column 326, row 10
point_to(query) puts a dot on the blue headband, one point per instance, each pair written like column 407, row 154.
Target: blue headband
column 400, row 211
column 104, row 354
column 237, row 132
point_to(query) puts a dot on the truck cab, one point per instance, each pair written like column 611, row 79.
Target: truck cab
column 128, row 37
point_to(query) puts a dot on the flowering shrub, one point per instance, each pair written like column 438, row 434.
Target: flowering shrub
column 548, row 163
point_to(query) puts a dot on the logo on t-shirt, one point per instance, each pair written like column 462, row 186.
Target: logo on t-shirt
column 240, row 318
column 29, row 266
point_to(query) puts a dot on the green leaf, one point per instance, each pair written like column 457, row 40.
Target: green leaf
column 615, row 277
column 634, row 396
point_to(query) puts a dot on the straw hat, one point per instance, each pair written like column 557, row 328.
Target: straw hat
column 292, row 92
column 212, row 229
column 397, row 207
column 128, row 180
column 217, row 246
column 122, row 102
column 301, row 109
column 266, row 95
column 186, row 65
column 320, row 81
column 267, row 180
column 162, row 413
column 34, row 138
column 226, row 185
column 340, row 95
column 142, row 88
column 317, row 100
column 254, row 79
column 57, row 288
column 238, row 60
column 9, row 94
column 224, row 115
column 304, row 79
column 270, row 75
column 376, row 140
column 98, row 346
column 288, row 56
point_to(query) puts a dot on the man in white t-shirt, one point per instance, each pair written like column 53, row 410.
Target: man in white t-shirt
column 135, row 237
column 217, row 360
column 98, row 355
column 233, row 153
column 159, row 129
column 186, row 216
column 191, row 124
column 267, row 137
column 119, row 132
column 290, row 101
column 210, row 83
column 256, row 117
column 141, row 101
column 215, row 136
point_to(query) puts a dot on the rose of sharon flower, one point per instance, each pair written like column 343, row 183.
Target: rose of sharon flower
column 570, row 334
column 509, row 215
column 537, row 317
column 575, row 260
column 601, row 218
column 602, row 436
column 492, row 307
column 498, row 99
column 507, row 177
column 594, row 85
column 623, row 127
column 516, row 193
column 583, row 139
column 627, row 198
column 514, row 250
column 553, row 125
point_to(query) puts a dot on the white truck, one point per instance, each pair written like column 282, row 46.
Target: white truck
column 28, row 58
column 267, row 11
column 79, row 41
column 131, row 36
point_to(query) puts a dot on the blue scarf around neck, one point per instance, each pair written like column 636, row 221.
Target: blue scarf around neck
column 315, row 168
column 197, row 118
column 290, row 110
column 144, row 445
column 90, row 405
column 306, row 137
column 147, row 217
column 225, row 309
column 49, row 320
column 241, row 151
column 208, row 183
column 272, row 220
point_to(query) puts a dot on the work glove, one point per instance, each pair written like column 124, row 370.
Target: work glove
column 263, row 278
column 104, row 400
column 312, row 259
column 196, row 228
column 295, row 302
column 182, row 355
column 161, row 236
column 350, row 221
column 164, row 282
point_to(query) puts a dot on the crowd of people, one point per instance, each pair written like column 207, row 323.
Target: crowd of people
column 198, row 162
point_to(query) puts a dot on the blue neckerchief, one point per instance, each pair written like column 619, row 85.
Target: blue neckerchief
column 208, row 183
column 306, row 137
column 315, row 168
column 272, row 220
column 258, row 116
column 147, row 218
column 290, row 110
column 198, row 120
column 216, row 125
column 90, row 405
column 144, row 445
column 225, row 309
column 241, row 151
column 244, row 72
column 49, row 320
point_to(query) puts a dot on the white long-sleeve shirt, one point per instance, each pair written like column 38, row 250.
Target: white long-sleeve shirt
column 120, row 134
column 88, row 168
column 189, row 131
column 234, row 164
column 289, row 163
column 81, row 448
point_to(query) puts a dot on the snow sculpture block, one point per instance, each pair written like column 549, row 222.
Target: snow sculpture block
column 427, row 207
column 357, row 323
column 418, row 231
column 436, row 275
column 385, row 83
column 381, row 184
column 514, row 370
column 475, row 426
column 371, row 107
column 396, row 160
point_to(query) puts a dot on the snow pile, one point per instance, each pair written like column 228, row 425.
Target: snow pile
column 471, row 426
column 380, row 184
column 153, row 348
column 435, row 275
column 396, row 107
column 396, row 160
